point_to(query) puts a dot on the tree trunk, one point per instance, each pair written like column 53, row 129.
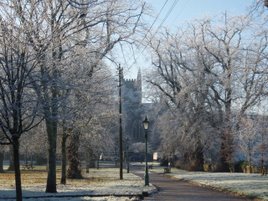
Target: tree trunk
column 63, row 156
column 17, row 168
column 223, row 162
column 74, row 170
column 1, row 162
column 198, row 158
column 227, row 150
column 52, row 147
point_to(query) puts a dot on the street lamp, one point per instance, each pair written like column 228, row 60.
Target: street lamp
column 146, row 126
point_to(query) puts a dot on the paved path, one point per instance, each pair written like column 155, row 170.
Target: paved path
column 176, row 190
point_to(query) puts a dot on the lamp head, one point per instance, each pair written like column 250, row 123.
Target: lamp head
column 145, row 123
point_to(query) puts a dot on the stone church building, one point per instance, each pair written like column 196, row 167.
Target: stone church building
column 133, row 110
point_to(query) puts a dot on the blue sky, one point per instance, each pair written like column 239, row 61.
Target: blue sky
column 185, row 11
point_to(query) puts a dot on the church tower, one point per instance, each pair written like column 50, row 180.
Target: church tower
column 132, row 108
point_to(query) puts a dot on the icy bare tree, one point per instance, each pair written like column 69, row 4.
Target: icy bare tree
column 53, row 28
column 101, row 127
column 238, row 74
column 180, row 77
column 34, row 144
column 18, row 102
column 247, row 137
column 91, row 90
column 211, row 74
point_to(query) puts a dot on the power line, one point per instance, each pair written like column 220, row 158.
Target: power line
column 168, row 13
column 155, row 19
column 160, row 25
column 159, row 13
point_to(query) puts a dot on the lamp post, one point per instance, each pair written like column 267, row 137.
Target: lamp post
column 146, row 126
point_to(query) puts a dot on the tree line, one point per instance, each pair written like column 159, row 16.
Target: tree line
column 54, row 77
column 209, row 80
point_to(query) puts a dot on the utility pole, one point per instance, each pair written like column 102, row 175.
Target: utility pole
column 120, row 70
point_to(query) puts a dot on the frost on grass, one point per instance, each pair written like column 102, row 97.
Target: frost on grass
column 85, row 198
column 104, row 182
column 253, row 185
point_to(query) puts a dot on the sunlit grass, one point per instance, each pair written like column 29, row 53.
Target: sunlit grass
column 101, row 182
column 38, row 177
column 28, row 178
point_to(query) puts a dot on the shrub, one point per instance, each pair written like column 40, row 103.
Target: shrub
column 238, row 166
column 207, row 167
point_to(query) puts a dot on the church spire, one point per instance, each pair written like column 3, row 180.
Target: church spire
column 139, row 83
column 139, row 77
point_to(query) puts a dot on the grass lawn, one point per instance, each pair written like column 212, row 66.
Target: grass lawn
column 98, row 182
column 38, row 176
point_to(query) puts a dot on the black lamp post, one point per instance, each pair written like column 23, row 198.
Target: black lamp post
column 146, row 126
